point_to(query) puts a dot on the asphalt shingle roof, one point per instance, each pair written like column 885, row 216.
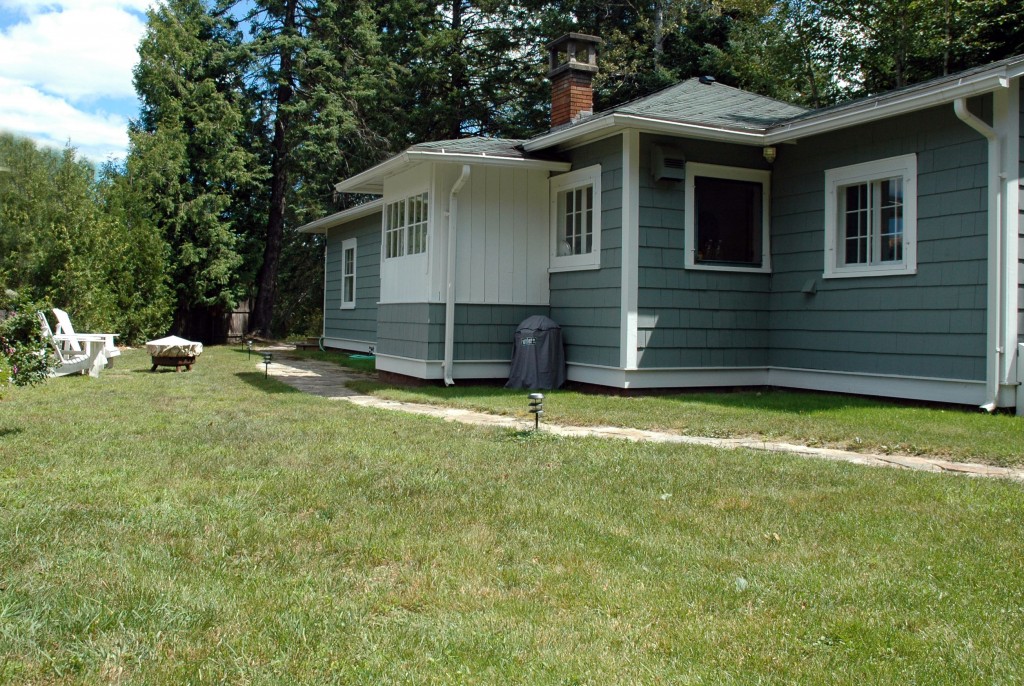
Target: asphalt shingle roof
column 710, row 104
column 504, row 147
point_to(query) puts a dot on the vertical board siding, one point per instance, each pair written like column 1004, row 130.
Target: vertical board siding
column 586, row 303
column 929, row 324
column 502, row 237
column 693, row 318
column 359, row 323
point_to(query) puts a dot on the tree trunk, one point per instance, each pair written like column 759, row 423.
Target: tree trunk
column 459, row 79
column 266, row 283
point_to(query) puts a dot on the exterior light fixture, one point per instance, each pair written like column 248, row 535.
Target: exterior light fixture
column 770, row 153
column 248, row 344
column 536, row 408
column 266, row 362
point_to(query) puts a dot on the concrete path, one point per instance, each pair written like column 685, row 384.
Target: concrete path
column 329, row 380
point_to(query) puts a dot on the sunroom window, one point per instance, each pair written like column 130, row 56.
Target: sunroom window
column 405, row 226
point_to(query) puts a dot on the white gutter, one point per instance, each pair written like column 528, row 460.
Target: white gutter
column 449, row 297
column 371, row 180
column 995, row 253
column 338, row 218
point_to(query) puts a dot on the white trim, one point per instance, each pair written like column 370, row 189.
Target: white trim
column 959, row 391
column 434, row 369
column 348, row 344
column 346, row 245
column 562, row 184
column 1006, row 122
column 372, row 180
column 630, row 248
column 904, row 166
column 345, row 216
column 715, row 171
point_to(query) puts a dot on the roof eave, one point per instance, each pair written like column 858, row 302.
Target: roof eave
column 604, row 126
column 372, row 180
column 338, row 218
column 977, row 84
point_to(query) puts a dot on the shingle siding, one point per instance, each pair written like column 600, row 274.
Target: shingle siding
column 930, row 324
column 693, row 318
column 586, row 303
column 359, row 323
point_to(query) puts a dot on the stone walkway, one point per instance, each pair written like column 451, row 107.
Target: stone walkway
column 329, row 380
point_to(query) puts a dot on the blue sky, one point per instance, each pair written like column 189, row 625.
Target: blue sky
column 66, row 71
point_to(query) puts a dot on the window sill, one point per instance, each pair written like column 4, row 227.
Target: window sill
column 764, row 269
column 868, row 272
column 347, row 306
column 573, row 267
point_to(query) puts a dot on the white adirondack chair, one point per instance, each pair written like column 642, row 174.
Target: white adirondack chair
column 75, row 340
column 88, row 361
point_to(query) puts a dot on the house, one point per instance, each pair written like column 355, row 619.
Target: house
column 705, row 236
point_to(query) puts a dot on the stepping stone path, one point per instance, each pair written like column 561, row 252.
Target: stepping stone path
column 329, row 380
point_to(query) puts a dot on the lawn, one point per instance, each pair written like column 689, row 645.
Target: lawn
column 216, row 527
column 814, row 419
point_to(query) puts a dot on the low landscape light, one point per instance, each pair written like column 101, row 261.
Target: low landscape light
column 248, row 344
column 536, row 408
column 266, row 363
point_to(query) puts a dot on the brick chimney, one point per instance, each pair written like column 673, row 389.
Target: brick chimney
column 572, row 64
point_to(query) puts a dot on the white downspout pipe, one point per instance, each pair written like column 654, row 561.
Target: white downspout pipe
column 995, row 252
column 449, row 296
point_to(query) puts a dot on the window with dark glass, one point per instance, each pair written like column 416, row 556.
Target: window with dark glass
column 729, row 216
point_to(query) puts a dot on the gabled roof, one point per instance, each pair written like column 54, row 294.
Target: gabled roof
column 710, row 104
column 477, row 145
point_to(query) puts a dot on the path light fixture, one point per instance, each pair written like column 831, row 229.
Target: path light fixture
column 248, row 344
column 536, row 408
column 266, row 363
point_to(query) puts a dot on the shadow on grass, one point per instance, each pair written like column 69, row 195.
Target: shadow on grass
column 4, row 433
column 267, row 385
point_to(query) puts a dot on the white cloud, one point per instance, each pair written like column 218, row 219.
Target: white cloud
column 53, row 121
column 83, row 52
column 59, row 59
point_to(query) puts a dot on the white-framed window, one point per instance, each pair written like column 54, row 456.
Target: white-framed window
column 727, row 218
column 405, row 226
column 576, row 219
column 348, row 274
column 871, row 218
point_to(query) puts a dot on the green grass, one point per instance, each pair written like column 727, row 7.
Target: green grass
column 216, row 527
column 358, row 363
column 815, row 419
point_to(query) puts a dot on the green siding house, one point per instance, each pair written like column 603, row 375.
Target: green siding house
column 706, row 236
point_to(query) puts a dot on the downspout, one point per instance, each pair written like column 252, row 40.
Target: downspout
column 995, row 252
column 449, row 297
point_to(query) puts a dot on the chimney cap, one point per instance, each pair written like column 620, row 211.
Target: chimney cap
column 572, row 36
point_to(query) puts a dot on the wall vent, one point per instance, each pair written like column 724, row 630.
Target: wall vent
column 667, row 164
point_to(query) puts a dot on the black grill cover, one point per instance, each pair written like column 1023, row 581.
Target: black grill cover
column 538, row 359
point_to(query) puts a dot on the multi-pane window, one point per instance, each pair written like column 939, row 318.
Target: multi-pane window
column 576, row 219
column 405, row 226
column 348, row 274
column 870, row 218
column 726, row 218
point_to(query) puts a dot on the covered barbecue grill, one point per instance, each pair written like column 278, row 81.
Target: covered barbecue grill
column 538, row 358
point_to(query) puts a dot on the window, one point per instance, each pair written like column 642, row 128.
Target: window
column 348, row 274
column 576, row 220
column 871, row 218
column 405, row 226
column 727, row 218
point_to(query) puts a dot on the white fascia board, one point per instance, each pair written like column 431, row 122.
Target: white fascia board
column 338, row 218
column 884, row 107
column 372, row 180
column 605, row 126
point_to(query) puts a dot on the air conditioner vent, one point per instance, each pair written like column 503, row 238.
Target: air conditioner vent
column 667, row 164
